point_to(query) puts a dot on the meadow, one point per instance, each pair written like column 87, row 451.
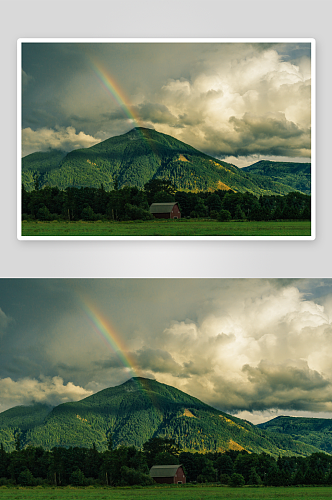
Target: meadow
column 167, row 493
column 184, row 227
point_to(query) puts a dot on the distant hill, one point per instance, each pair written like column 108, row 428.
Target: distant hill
column 313, row 431
column 138, row 156
column 296, row 175
column 133, row 413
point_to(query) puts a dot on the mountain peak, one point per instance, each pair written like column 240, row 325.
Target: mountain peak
column 138, row 380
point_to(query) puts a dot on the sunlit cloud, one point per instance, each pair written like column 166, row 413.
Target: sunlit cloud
column 51, row 391
column 64, row 139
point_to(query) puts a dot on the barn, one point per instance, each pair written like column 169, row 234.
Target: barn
column 169, row 210
column 170, row 474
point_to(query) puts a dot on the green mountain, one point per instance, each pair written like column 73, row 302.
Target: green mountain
column 39, row 164
column 313, row 431
column 136, row 411
column 138, row 156
column 296, row 175
column 24, row 417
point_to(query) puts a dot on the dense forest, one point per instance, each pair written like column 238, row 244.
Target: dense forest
column 126, row 466
column 132, row 203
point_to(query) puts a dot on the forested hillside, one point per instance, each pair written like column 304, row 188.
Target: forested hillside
column 36, row 165
column 139, row 410
column 313, row 431
column 134, row 158
column 296, row 175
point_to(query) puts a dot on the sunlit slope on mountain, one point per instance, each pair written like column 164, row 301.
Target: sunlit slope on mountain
column 140, row 409
column 143, row 154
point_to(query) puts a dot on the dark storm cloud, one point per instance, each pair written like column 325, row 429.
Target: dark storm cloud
column 264, row 127
column 285, row 386
column 156, row 360
column 269, row 134
column 196, row 367
column 275, row 387
column 148, row 112
column 218, row 98
column 280, row 377
column 114, row 115
column 156, row 113
column 113, row 361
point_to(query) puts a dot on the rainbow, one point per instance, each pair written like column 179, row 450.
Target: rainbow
column 110, row 84
column 104, row 329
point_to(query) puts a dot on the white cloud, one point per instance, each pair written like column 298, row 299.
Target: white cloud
column 250, row 104
column 65, row 139
column 254, row 347
column 47, row 390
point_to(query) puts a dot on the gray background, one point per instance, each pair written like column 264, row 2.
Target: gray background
column 159, row 18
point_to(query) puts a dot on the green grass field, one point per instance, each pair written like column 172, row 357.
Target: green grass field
column 170, row 493
column 192, row 227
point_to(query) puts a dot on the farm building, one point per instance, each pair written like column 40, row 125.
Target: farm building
column 170, row 474
column 169, row 210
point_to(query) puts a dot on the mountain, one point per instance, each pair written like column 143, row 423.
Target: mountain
column 313, row 431
column 136, row 411
column 296, row 175
column 135, row 158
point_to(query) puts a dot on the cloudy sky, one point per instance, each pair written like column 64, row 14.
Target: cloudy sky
column 254, row 348
column 236, row 101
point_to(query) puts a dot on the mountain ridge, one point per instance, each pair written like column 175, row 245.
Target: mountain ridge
column 138, row 410
column 317, row 431
column 297, row 175
column 136, row 157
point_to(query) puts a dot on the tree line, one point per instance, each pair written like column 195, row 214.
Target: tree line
column 128, row 466
column 131, row 203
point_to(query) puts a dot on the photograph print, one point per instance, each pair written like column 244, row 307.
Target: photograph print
column 165, row 138
column 105, row 382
